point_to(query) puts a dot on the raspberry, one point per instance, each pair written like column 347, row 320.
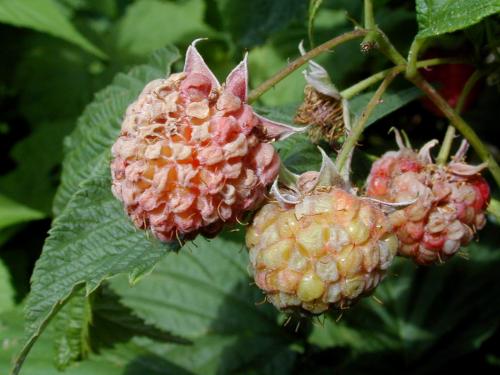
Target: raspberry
column 450, row 204
column 327, row 248
column 450, row 80
column 192, row 155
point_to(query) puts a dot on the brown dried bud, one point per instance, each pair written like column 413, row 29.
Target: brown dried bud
column 324, row 113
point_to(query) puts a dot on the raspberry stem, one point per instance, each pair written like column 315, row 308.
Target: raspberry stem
column 359, row 126
column 450, row 131
column 355, row 89
column 298, row 62
column 459, row 123
column 369, row 18
column 456, row 120
column 416, row 46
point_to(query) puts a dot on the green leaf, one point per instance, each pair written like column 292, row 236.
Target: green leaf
column 34, row 182
column 92, row 239
column 391, row 101
column 437, row 17
column 6, row 289
column 428, row 316
column 12, row 213
column 64, row 96
column 203, row 293
column 252, row 22
column 44, row 16
column 100, row 124
column 114, row 323
column 130, row 358
column 40, row 362
column 313, row 10
column 71, row 327
column 167, row 22
column 265, row 61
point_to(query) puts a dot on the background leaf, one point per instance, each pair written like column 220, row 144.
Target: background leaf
column 71, row 326
column 251, row 22
column 152, row 24
column 123, row 359
column 313, row 10
column 6, row 290
column 391, row 101
column 12, row 213
column 90, row 241
column 44, row 16
column 437, row 17
column 93, row 239
column 203, row 293
column 411, row 320
column 100, row 124
column 34, row 181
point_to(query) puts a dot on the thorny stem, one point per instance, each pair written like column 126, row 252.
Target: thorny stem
column 359, row 126
column 450, row 131
column 385, row 46
column 355, row 89
column 458, row 122
column 298, row 62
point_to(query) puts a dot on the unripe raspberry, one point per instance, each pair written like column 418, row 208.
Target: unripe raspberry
column 327, row 249
column 449, row 207
column 192, row 155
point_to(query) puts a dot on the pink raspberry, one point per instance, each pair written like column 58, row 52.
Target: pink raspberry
column 192, row 154
column 450, row 201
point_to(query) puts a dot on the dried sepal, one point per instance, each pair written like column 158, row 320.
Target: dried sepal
column 237, row 80
column 464, row 169
column 194, row 63
column 277, row 131
column 390, row 207
column 329, row 174
column 462, row 150
column 425, row 152
column 318, row 77
column 284, row 196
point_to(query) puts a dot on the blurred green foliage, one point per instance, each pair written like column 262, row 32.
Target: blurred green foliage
column 68, row 70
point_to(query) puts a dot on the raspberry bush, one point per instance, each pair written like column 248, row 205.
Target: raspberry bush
column 264, row 223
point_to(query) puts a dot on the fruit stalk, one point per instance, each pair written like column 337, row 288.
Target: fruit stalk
column 358, row 128
column 460, row 124
column 297, row 63
column 450, row 131
column 355, row 89
column 456, row 120
column 411, row 68
column 369, row 20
